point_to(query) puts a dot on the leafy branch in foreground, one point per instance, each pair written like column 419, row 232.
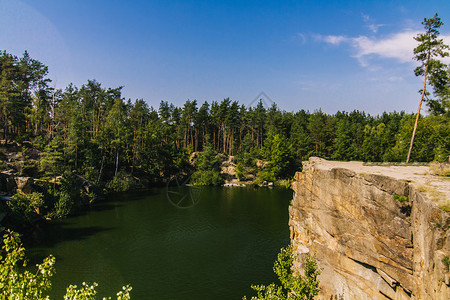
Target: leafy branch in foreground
column 17, row 284
column 293, row 285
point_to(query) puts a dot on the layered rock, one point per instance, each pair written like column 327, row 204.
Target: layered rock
column 374, row 236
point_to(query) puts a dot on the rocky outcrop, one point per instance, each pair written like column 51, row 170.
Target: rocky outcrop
column 374, row 236
column 9, row 184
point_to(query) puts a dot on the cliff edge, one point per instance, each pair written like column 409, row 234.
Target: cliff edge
column 378, row 232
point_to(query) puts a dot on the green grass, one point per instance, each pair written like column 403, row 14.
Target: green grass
column 400, row 198
column 445, row 207
column 440, row 169
column 446, row 261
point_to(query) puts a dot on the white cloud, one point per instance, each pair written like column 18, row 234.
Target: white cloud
column 374, row 27
column 331, row 39
column 335, row 40
column 398, row 46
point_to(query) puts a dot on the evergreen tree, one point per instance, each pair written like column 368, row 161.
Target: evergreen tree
column 429, row 49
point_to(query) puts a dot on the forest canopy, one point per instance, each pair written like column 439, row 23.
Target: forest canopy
column 94, row 131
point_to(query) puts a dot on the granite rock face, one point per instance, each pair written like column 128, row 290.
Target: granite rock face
column 370, row 242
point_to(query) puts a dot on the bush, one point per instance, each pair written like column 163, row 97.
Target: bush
column 207, row 160
column 446, row 261
column 240, row 171
column 203, row 178
column 440, row 169
column 22, row 285
column 400, row 198
column 293, row 285
column 121, row 183
column 63, row 207
column 26, row 206
column 68, row 195
column 265, row 175
column 18, row 284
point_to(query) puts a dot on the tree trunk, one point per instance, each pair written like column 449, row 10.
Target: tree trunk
column 418, row 114
column 117, row 162
column 101, row 169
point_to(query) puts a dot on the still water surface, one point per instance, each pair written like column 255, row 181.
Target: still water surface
column 213, row 250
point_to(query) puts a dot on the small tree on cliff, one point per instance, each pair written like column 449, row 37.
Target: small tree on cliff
column 430, row 48
column 293, row 285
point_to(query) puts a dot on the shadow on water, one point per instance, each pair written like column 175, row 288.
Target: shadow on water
column 133, row 195
column 51, row 233
column 102, row 206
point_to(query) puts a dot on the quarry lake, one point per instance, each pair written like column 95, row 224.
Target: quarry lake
column 226, row 239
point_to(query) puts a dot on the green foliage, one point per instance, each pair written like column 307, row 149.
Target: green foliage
column 22, row 284
column 428, row 52
column 181, row 159
column 445, row 208
column 284, row 183
column 207, row 169
column 446, row 261
column 280, row 159
column 3, row 166
column 293, row 285
column 209, row 177
column 26, row 206
column 240, row 171
column 51, row 158
column 63, row 206
column 207, row 160
column 68, row 195
column 88, row 292
column 92, row 130
column 121, row 183
column 400, row 198
column 266, row 175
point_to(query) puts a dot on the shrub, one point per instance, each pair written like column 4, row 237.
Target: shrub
column 207, row 160
column 23, row 284
column 121, row 183
column 265, row 175
column 26, row 206
column 209, row 177
column 68, row 196
column 446, row 261
column 440, row 169
column 63, row 207
column 240, row 171
column 400, row 198
column 293, row 285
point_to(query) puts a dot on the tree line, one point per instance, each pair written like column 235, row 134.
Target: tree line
column 95, row 131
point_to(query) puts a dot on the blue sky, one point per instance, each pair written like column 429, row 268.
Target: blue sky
column 333, row 55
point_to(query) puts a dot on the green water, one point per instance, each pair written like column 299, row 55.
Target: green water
column 212, row 250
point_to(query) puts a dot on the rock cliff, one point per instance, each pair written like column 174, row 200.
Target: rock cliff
column 377, row 232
